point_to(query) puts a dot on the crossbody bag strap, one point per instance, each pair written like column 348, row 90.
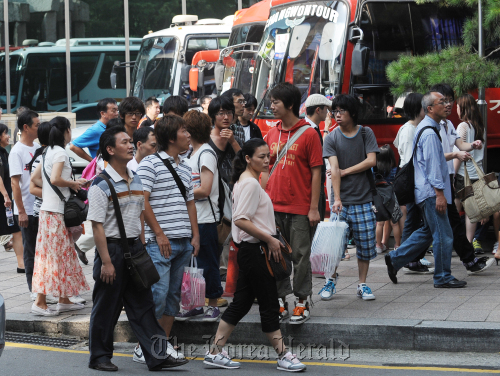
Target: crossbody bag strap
column 369, row 172
column 175, row 175
column 57, row 190
column 119, row 218
column 290, row 142
column 199, row 169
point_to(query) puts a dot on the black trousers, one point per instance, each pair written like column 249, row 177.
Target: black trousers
column 254, row 281
column 29, row 243
column 462, row 246
column 108, row 302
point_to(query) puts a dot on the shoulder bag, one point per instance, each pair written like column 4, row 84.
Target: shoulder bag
column 404, row 182
column 75, row 209
column 141, row 269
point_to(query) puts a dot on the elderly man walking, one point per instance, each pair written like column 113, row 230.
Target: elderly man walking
column 432, row 195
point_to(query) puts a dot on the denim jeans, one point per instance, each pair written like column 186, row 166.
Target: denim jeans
column 167, row 291
column 436, row 230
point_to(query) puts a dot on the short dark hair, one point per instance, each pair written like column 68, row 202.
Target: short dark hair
column 199, row 126
column 312, row 109
column 26, row 117
column 166, row 130
column 59, row 127
column 204, row 98
column 102, row 105
column 232, row 93
column 142, row 135
column 131, row 104
column 251, row 101
column 3, row 129
column 149, row 102
column 289, row 95
column 108, row 138
column 177, row 104
column 116, row 122
column 444, row 89
column 349, row 103
column 413, row 105
column 220, row 103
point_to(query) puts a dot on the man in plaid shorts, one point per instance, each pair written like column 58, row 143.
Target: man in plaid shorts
column 351, row 154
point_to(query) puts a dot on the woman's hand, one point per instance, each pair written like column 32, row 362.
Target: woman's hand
column 77, row 184
column 7, row 201
column 274, row 246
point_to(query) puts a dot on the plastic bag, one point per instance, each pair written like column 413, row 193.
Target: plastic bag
column 193, row 287
column 328, row 245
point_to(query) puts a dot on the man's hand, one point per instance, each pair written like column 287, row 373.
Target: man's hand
column 462, row 156
column 314, row 217
column 337, row 206
column 195, row 242
column 108, row 273
column 477, row 145
column 329, row 172
column 23, row 220
column 342, row 173
column 164, row 245
column 7, row 201
column 229, row 134
column 441, row 204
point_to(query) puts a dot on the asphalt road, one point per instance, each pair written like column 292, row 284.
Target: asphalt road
column 31, row 360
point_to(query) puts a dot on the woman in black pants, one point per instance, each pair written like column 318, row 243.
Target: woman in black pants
column 253, row 223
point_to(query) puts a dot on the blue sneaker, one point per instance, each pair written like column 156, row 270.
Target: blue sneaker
column 185, row 315
column 364, row 292
column 328, row 289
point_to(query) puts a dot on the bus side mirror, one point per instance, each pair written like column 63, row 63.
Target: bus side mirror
column 219, row 76
column 193, row 79
column 360, row 59
column 185, row 73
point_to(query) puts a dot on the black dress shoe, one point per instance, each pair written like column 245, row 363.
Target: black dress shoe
column 453, row 284
column 110, row 367
column 170, row 362
column 390, row 269
column 21, row 271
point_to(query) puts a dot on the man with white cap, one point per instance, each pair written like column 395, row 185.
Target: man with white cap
column 317, row 107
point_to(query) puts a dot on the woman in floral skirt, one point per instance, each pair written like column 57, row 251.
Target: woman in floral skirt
column 57, row 270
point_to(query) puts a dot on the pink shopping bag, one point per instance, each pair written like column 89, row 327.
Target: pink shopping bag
column 193, row 287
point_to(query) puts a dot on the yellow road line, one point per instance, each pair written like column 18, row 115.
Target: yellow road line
column 341, row 365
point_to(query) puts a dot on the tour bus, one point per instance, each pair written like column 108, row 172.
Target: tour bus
column 238, row 57
column 38, row 74
column 344, row 46
column 170, row 59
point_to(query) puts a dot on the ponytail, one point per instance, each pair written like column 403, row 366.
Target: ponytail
column 240, row 162
column 59, row 127
column 43, row 138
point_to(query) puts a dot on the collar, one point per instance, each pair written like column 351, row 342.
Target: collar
column 164, row 155
column 116, row 176
column 101, row 124
column 313, row 124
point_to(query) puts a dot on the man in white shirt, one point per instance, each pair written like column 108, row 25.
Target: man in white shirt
column 19, row 158
column 145, row 144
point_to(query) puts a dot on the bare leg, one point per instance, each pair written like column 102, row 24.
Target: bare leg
column 65, row 301
column 277, row 341
column 363, row 270
column 212, row 302
column 166, row 322
column 387, row 233
column 397, row 234
column 379, row 233
column 41, row 301
column 470, row 228
column 223, row 332
column 403, row 218
column 17, row 244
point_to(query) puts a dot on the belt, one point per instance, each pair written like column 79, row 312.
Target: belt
column 130, row 241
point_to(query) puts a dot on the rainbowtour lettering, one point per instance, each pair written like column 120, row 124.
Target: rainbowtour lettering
column 298, row 11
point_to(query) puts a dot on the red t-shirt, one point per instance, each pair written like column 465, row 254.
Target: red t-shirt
column 290, row 184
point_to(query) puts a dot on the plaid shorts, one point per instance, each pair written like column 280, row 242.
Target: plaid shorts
column 361, row 220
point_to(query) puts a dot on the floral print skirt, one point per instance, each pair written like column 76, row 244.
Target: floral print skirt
column 57, row 270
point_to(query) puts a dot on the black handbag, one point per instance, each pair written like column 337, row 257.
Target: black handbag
column 283, row 269
column 404, row 182
column 75, row 209
column 140, row 266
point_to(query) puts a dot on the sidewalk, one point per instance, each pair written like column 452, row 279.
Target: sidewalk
column 411, row 315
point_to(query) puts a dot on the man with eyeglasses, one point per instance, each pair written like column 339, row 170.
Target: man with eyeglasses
column 108, row 109
column 131, row 111
column 433, row 196
column 239, row 102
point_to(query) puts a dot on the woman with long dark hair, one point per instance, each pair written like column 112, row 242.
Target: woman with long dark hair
column 253, row 223
column 57, row 270
column 470, row 129
column 6, row 202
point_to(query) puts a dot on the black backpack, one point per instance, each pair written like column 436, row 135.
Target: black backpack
column 404, row 182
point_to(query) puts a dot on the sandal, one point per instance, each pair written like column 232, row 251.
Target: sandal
column 347, row 257
column 8, row 247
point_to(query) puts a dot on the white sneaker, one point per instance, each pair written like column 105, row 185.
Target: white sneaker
column 221, row 360
column 381, row 249
column 301, row 313
column 62, row 307
column 77, row 299
column 290, row 363
column 176, row 354
column 495, row 248
column 364, row 292
column 43, row 312
column 283, row 309
column 138, row 355
column 425, row 262
column 328, row 289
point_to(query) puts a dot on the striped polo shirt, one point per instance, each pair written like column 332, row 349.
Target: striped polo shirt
column 165, row 197
column 130, row 197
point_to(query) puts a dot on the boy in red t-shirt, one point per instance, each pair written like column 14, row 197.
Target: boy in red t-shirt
column 294, row 189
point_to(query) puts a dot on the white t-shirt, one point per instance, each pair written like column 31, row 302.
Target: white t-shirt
column 448, row 137
column 404, row 142
column 132, row 164
column 208, row 159
column 19, row 158
column 468, row 134
column 51, row 201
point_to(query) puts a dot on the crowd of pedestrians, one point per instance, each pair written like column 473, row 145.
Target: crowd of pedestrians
column 179, row 178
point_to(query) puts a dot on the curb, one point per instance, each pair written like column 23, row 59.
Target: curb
column 418, row 335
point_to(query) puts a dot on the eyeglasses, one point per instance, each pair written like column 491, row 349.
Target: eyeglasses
column 241, row 101
column 224, row 114
column 335, row 112
column 443, row 103
column 132, row 114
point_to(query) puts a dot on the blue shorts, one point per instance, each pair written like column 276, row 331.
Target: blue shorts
column 167, row 291
column 362, row 222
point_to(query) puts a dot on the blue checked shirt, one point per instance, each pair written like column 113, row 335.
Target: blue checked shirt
column 431, row 169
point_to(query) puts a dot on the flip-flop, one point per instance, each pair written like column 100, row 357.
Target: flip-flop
column 347, row 257
column 8, row 247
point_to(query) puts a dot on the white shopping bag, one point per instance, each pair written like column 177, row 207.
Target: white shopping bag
column 328, row 245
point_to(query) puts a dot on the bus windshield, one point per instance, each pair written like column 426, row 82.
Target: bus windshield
column 304, row 45
column 154, row 69
column 15, row 78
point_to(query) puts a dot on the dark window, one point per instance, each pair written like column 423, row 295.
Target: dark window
column 15, row 77
column 199, row 44
column 110, row 57
column 87, row 113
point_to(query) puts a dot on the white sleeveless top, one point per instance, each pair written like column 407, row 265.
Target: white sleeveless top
column 470, row 133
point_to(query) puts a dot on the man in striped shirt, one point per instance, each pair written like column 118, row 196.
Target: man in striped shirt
column 172, row 228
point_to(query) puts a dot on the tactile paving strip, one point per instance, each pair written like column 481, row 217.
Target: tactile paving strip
column 40, row 340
